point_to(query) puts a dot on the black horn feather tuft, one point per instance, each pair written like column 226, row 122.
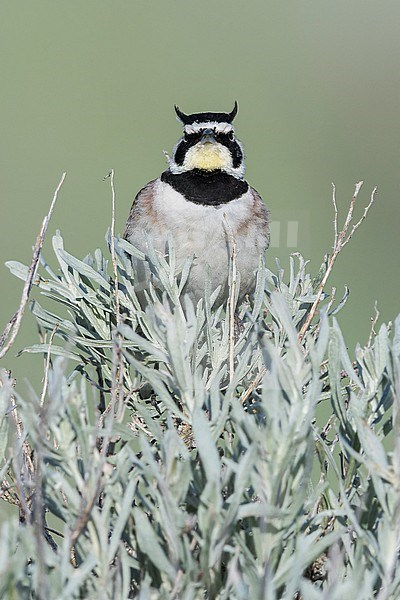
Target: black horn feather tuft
column 185, row 119
column 233, row 114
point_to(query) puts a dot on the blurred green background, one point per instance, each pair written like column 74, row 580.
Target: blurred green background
column 89, row 86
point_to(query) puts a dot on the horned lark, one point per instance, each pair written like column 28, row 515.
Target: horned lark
column 204, row 202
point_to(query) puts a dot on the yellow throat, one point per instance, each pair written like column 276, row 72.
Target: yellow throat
column 207, row 156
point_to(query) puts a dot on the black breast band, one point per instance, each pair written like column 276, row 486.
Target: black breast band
column 209, row 188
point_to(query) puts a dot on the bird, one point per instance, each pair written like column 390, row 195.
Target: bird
column 203, row 201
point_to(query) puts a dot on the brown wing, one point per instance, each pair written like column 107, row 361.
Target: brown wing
column 262, row 215
column 142, row 211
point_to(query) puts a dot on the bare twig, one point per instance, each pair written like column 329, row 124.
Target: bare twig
column 113, row 258
column 37, row 499
column 254, row 384
column 24, row 500
column 84, row 514
column 27, row 450
column 231, row 299
column 117, row 347
column 328, row 425
column 335, row 219
column 175, row 589
column 89, row 497
column 117, row 383
column 38, row 523
column 47, row 365
column 341, row 239
column 331, row 300
column 364, row 216
column 8, row 494
column 374, row 321
column 14, row 324
column 7, row 329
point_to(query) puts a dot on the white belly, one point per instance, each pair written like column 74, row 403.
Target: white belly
column 205, row 233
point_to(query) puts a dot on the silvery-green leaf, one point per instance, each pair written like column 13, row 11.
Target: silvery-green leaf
column 5, row 400
column 56, row 350
column 18, row 269
column 342, row 302
column 206, row 447
column 308, row 299
column 344, row 357
column 149, row 543
column 131, row 250
column 81, row 267
column 124, row 513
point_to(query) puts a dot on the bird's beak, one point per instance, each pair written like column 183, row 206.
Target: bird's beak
column 208, row 137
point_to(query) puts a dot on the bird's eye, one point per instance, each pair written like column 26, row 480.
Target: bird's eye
column 231, row 135
column 191, row 136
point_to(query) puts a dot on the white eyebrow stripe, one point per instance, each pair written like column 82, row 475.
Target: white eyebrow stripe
column 220, row 127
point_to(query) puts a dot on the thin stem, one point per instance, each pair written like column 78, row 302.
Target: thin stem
column 374, row 321
column 364, row 216
column 340, row 241
column 113, row 257
column 254, row 384
column 104, row 425
column 15, row 321
column 231, row 299
column 47, row 365
column 335, row 220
